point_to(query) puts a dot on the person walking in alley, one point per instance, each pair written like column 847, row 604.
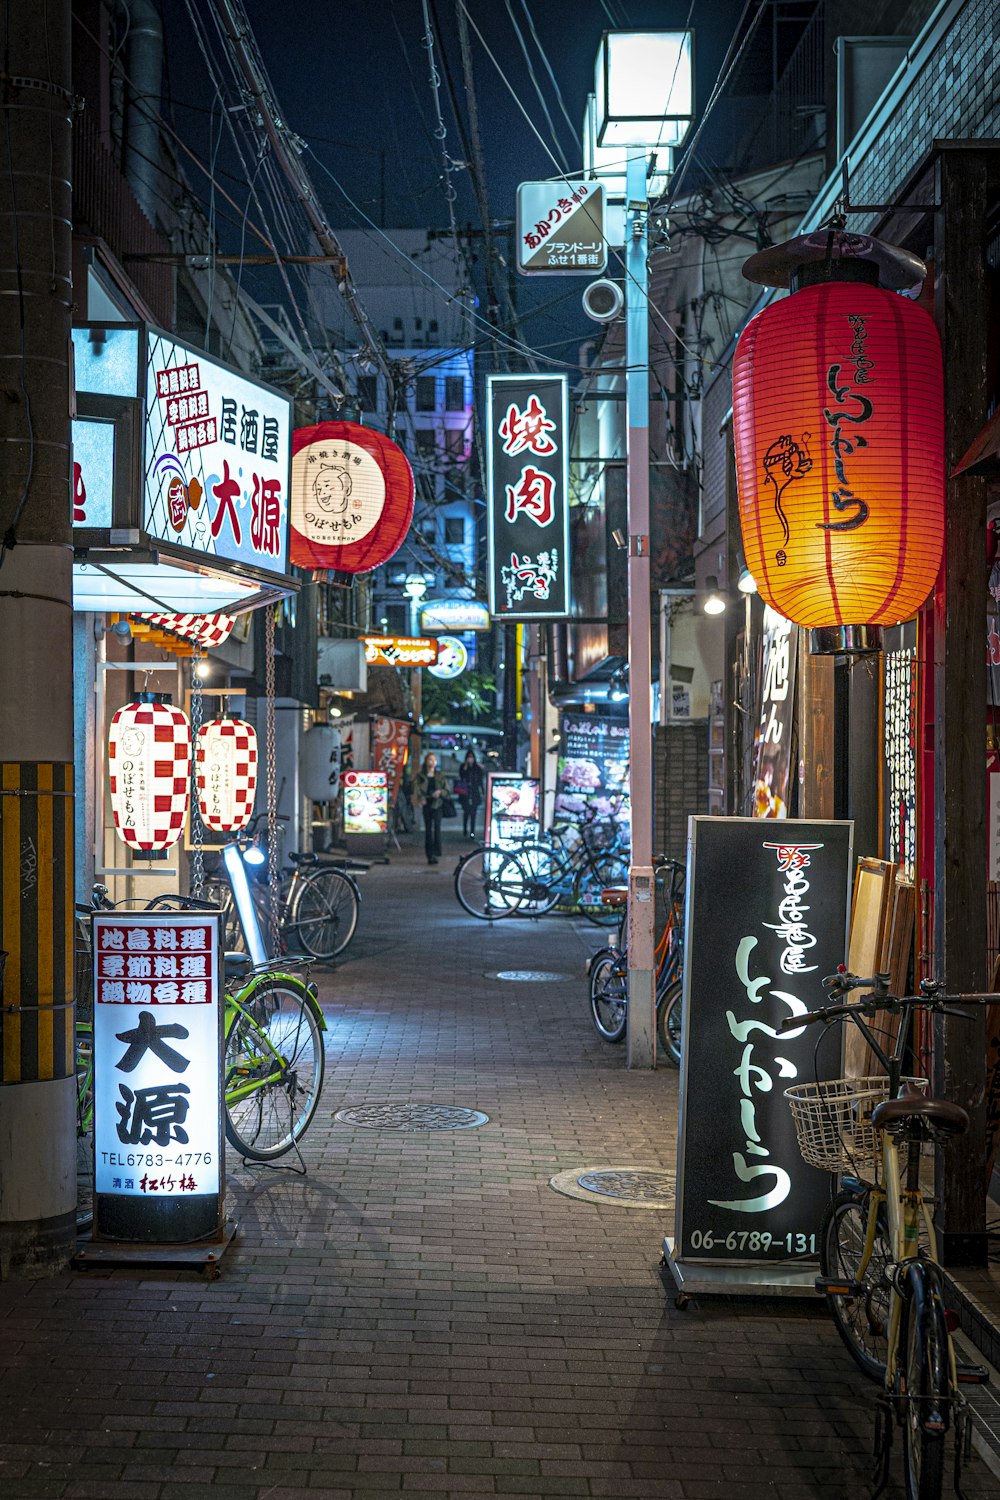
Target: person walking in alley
column 429, row 791
column 469, row 791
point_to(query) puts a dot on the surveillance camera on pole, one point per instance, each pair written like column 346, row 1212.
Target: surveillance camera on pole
column 603, row 301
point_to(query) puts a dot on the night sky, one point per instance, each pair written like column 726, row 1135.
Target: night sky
column 354, row 84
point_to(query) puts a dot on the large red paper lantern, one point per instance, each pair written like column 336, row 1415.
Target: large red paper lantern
column 225, row 773
column 351, row 499
column 838, row 415
column 149, row 762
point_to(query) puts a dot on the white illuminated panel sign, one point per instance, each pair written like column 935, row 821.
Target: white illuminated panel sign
column 216, row 458
column 453, row 658
column 454, row 614
column 366, row 802
column 157, row 1074
column 93, row 472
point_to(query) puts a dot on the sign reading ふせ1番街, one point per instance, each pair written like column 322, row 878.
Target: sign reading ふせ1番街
column 527, row 434
column 767, row 911
column 157, row 1077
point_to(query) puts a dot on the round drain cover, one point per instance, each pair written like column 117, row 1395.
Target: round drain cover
column 622, row 1187
column 528, row 976
column 411, row 1117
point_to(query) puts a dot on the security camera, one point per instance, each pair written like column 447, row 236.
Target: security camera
column 603, row 301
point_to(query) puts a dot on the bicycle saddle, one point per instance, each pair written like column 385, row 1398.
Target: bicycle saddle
column 236, row 965
column 936, row 1114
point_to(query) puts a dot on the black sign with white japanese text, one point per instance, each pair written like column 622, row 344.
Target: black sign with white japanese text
column 766, row 921
column 529, row 509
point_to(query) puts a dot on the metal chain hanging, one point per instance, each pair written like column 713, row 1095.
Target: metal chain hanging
column 272, row 784
column 197, row 827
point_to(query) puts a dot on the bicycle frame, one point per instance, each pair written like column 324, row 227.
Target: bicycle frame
column 236, row 1007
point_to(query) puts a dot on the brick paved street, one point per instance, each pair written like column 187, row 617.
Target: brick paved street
column 422, row 1313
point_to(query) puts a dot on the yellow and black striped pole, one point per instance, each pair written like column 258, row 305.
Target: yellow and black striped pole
column 36, row 921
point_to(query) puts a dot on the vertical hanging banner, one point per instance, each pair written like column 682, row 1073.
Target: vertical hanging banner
column 527, row 433
column 157, row 1077
column 772, row 778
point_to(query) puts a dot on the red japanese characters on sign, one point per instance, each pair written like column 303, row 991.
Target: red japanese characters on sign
column 561, row 209
column 560, row 229
column 157, row 1081
column 529, row 521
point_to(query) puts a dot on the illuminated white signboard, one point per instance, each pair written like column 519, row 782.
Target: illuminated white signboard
column 157, row 1076
column 453, row 658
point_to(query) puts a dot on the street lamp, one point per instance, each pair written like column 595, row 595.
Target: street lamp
column 414, row 588
column 643, row 104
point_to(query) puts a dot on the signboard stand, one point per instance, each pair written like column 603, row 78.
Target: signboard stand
column 159, row 1147
column 767, row 919
column 366, row 812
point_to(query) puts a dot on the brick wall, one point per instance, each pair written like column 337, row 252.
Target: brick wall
column 680, row 783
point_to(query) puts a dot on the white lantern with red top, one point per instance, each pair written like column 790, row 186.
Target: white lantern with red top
column 149, row 763
column 225, row 774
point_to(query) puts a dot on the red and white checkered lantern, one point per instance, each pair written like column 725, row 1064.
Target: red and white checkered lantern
column 225, row 773
column 149, row 760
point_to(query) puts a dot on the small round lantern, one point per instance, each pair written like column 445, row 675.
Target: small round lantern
column 149, row 763
column 225, row 774
column 838, row 415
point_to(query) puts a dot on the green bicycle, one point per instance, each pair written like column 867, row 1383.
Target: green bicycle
column 273, row 1060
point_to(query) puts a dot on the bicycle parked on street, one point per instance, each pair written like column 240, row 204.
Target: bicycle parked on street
column 878, row 1246
column 533, row 877
column 318, row 897
column 608, row 969
column 273, row 1055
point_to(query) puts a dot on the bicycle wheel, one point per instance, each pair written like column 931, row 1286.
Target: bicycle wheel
column 489, row 884
column 591, row 880
column 609, row 993
column 669, row 1016
column 927, row 1393
column 543, row 877
column 274, row 1052
column 326, row 913
column 862, row 1318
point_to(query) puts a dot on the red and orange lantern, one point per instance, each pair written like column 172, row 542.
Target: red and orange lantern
column 838, row 414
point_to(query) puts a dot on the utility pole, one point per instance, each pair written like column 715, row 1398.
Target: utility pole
column 37, row 1068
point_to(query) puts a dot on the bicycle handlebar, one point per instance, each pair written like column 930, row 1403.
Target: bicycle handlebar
column 933, row 999
column 193, row 903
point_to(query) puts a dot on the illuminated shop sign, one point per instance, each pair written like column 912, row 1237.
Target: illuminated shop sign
column 366, row 802
column 157, row 1076
column 454, row 614
column 527, row 433
column 400, row 650
column 512, row 815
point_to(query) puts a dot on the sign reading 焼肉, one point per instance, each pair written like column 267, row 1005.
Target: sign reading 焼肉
column 766, row 920
column 773, row 749
column 528, row 502
column 157, row 1077
column 560, row 229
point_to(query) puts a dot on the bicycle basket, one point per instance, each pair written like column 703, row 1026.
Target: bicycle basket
column 833, row 1121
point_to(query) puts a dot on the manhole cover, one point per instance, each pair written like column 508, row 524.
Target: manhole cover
column 528, row 976
column 626, row 1187
column 411, row 1117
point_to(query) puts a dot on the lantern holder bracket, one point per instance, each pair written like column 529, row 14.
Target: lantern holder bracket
column 877, row 208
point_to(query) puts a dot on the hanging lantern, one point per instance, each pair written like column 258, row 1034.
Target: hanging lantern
column 149, row 762
column 319, row 763
column 351, row 498
column 838, row 414
column 225, row 773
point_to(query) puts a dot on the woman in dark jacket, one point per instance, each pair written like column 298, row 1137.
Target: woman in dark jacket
column 429, row 791
column 469, row 791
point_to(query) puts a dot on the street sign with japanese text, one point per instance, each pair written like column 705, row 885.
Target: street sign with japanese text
column 216, row 457
column 767, row 911
column 527, row 434
column 560, row 228
column 157, row 1077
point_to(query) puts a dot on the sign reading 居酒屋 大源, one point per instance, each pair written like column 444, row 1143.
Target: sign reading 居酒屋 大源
column 767, row 908
column 216, row 457
column 560, row 229
column 528, row 500
column 157, row 1077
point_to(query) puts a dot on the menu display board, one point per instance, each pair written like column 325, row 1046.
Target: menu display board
column 157, row 1077
column 512, row 810
column 767, row 914
column 366, row 802
column 592, row 771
